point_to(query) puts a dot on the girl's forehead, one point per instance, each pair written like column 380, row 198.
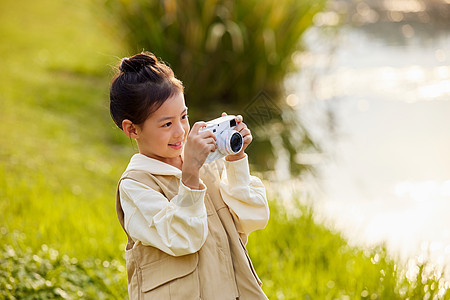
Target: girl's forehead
column 172, row 107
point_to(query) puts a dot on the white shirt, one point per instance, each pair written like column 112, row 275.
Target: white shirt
column 180, row 226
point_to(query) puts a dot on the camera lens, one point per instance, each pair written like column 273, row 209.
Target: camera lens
column 236, row 142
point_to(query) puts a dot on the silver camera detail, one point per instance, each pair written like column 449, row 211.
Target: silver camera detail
column 228, row 140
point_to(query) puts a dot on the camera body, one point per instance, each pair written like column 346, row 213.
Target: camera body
column 228, row 140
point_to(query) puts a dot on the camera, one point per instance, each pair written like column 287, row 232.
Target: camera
column 228, row 140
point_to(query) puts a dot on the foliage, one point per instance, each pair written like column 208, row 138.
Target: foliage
column 45, row 274
column 232, row 56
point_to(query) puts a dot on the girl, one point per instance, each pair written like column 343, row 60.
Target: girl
column 187, row 222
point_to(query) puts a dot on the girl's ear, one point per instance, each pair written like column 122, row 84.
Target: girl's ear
column 129, row 128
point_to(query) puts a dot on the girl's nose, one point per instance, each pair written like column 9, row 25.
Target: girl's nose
column 179, row 130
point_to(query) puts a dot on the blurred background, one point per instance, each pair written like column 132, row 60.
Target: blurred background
column 347, row 101
column 384, row 77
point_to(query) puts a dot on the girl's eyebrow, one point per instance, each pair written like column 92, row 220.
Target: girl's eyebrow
column 168, row 118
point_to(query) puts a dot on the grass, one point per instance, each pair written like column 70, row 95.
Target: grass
column 56, row 154
column 300, row 259
column 60, row 158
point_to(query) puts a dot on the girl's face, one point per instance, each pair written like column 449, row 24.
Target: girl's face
column 163, row 134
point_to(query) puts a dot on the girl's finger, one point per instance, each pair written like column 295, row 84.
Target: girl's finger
column 240, row 126
column 207, row 134
column 244, row 132
column 211, row 141
column 197, row 126
column 247, row 139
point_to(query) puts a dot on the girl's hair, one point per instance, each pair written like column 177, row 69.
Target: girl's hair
column 141, row 86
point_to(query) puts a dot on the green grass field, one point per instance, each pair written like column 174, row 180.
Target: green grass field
column 60, row 159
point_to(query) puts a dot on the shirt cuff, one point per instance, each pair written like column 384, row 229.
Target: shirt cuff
column 189, row 197
column 238, row 171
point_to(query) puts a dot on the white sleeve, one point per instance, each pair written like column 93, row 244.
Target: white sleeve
column 245, row 195
column 177, row 227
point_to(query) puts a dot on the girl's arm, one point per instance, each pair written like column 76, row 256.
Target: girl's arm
column 177, row 227
column 245, row 195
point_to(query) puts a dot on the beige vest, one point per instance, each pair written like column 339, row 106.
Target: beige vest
column 221, row 269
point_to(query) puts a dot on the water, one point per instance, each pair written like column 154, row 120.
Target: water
column 385, row 86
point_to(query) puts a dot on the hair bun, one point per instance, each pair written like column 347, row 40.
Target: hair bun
column 137, row 62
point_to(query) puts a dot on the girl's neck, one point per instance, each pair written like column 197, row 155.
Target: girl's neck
column 176, row 162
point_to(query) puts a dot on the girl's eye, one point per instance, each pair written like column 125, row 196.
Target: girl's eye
column 184, row 116
column 167, row 124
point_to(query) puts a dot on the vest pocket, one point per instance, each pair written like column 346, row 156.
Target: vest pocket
column 171, row 278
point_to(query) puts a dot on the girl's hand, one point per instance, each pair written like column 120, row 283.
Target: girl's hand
column 197, row 148
column 242, row 128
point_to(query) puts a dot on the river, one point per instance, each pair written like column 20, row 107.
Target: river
column 375, row 92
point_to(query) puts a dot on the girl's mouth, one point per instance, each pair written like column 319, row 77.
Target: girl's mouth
column 176, row 146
